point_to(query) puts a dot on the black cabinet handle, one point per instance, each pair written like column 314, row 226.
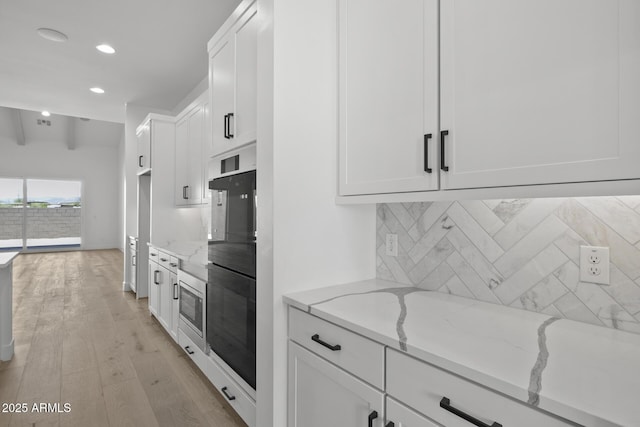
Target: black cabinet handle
column 390, row 424
column 229, row 396
column 317, row 339
column 229, row 126
column 427, row 169
column 226, row 126
column 156, row 274
column 184, row 192
column 164, row 259
column 133, row 260
column 175, row 291
column 173, row 264
column 445, row 403
column 188, row 350
column 443, row 166
column 152, row 254
column 372, row 416
column 140, row 161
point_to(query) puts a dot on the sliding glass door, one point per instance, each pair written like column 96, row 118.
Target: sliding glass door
column 40, row 214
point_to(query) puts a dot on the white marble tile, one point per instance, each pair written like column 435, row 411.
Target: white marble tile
column 396, row 227
column 430, row 216
column 417, row 209
column 475, row 258
column 402, row 215
column 483, row 215
column 437, row 255
column 382, row 271
column 535, row 270
column 478, row 236
column 507, row 209
column 551, row 310
column 455, row 286
column 572, row 308
column 624, row 291
column 624, row 255
column 631, row 201
column 393, row 266
column 617, row 215
column 539, row 238
column 441, row 274
column 526, row 220
column 492, row 203
column 602, row 305
column 541, row 295
column 569, row 275
column 427, row 242
column 470, row 278
column 569, row 243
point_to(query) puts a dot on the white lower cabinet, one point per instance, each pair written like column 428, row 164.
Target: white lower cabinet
column 321, row 394
column 163, row 290
column 399, row 415
column 154, row 289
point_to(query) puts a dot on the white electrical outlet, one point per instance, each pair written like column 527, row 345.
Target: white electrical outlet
column 594, row 264
column 392, row 245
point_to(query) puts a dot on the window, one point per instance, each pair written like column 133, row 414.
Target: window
column 38, row 213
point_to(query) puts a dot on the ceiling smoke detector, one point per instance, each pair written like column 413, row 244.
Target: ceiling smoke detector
column 53, row 35
column 43, row 122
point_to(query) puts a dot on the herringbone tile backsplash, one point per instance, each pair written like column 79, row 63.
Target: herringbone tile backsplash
column 523, row 253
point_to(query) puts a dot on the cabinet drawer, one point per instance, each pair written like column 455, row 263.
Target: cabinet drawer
column 164, row 260
column 174, row 263
column 423, row 386
column 153, row 254
column 354, row 353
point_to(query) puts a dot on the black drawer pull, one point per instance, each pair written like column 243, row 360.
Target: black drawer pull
column 445, row 403
column 427, row 169
column 390, row 424
column 443, row 166
column 173, row 264
column 372, row 416
column 317, row 339
column 175, row 291
column 140, row 161
column 156, row 275
column 152, row 254
column 164, row 259
column 188, row 350
column 229, row 396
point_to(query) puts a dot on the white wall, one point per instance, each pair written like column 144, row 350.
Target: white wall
column 304, row 239
column 95, row 166
column 121, row 193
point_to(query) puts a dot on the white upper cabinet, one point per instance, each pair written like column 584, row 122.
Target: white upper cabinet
column 143, row 136
column 233, row 80
column 189, row 154
column 530, row 92
column 537, row 92
column 388, row 84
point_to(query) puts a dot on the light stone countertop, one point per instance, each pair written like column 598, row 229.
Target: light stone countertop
column 194, row 252
column 584, row 373
column 6, row 258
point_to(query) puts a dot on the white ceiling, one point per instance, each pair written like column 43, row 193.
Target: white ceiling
column 64, row 131
column 160, row 53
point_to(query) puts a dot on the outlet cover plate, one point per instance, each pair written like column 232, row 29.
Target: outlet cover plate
column 392, row 245
column 594, row 264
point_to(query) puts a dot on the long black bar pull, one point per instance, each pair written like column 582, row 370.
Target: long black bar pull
column 443, row 166
column 445, row 404
column 427, row 137
column 317, row 339
column 226, row 126
column 229, row 126
column 372, row 416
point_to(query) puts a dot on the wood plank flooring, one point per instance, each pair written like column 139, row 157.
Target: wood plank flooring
column 80, row 340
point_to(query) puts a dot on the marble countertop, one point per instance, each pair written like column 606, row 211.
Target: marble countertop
column 194, row 252
column 6, row 258
column 585, row 373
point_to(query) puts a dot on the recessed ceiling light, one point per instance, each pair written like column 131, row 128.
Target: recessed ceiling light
column 96, row 90
column 46, row 113
column 53, row 35
column 105, row 48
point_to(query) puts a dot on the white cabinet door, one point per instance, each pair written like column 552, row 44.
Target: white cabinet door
column 321, row 394
column 233, row 82
column 222, row 75
column 388, row 85
column 165, row 297
column 399, row 415
column 154, row 288
column 539, row 92
column 175, row 308
column 144, row 148
column 244, row 121
column 182, row 162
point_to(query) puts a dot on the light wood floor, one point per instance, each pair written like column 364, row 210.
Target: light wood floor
column 80, row 340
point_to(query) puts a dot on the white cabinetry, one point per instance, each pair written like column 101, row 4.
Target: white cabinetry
column 163, row 290
column 143, row 136
column 518, row 105
column 321, row 394
column 133, row 263
column 233, row 80
column 189, row 155
column 154, row 287
column 398, row 415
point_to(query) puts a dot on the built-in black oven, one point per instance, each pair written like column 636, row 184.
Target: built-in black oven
column 231, row 286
